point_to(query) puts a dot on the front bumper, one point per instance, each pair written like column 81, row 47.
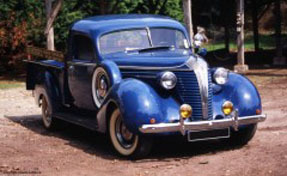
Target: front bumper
column 182, row 126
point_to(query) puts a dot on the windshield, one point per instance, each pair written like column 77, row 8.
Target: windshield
column 137, row 39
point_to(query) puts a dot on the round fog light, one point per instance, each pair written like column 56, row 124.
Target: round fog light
column 185, row 111
column 227, row 108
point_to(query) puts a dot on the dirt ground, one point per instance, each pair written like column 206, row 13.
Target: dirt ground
column 28, row 149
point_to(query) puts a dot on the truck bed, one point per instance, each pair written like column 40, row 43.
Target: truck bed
column 36, row 72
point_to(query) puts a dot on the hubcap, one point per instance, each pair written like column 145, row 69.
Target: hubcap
column 124, row 136
column 101, row 86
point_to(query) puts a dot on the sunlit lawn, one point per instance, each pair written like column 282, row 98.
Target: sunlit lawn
column 265, row 42
column 4, row 84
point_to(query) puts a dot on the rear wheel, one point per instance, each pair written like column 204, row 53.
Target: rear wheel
column 243, row 136
column 125, row 142
column 48, row 121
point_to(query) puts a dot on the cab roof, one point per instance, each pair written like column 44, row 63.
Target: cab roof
column 97, row 25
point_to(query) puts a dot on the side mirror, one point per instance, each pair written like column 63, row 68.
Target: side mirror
column 202, row 52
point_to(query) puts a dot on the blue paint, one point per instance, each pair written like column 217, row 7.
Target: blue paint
column 139, row 102
column 137, row 93
column 95, row 27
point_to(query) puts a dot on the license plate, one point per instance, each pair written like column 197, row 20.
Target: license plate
column 193, row 136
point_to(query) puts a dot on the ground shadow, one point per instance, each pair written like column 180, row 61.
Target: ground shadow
column 76, row 136
column 164, row 148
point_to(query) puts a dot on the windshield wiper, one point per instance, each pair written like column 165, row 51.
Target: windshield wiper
column 154, row 48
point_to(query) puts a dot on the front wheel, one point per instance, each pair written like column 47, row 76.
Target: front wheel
column 125, row 142
column 243, row 136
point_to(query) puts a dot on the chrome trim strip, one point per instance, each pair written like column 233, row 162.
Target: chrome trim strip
column 200, row 68
column 202, row 125
column 82, row 63
column 149, row 36
column 177, row 68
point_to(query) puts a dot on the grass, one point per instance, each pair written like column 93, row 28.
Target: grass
column 266, row 42
column 4, row 84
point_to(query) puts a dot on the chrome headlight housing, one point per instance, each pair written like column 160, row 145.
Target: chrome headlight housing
column 168, row 80
column 220, row 76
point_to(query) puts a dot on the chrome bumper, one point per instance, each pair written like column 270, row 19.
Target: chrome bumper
column 182, row 126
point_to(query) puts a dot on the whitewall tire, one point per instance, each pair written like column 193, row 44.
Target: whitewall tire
column 125, row 142
column 100, row 86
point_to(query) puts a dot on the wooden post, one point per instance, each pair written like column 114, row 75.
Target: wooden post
column 279, row 59
column 255, row 25
column 50, row 34
column 187, row 10
column 240, row 67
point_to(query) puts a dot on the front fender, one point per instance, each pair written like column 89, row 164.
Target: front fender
column 241, row 92
column 139, row 103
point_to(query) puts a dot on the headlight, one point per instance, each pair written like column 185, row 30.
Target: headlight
column 220, row 76
column 168, row 80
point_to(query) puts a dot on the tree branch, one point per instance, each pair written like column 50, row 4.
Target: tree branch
column 53, row 15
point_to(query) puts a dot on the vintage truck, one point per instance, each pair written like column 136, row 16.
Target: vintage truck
column 135, row 77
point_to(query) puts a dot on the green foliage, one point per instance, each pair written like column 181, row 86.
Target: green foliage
column 64, row 20
column 27, row 19
column 173, row 9
column 20, row 24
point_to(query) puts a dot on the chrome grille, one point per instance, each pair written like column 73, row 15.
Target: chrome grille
column 188, row 90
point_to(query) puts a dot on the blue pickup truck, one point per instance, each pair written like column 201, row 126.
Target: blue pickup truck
column 135, row 77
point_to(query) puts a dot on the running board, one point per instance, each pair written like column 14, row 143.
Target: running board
column 87, row 122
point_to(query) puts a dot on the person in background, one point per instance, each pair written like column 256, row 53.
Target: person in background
column 200, row 37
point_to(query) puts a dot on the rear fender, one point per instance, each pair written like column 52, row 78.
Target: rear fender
column 49, row 87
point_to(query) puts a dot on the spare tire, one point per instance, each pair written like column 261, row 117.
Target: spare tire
column 100, row 86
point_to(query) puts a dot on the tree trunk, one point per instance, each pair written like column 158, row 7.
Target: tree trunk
column 226, row 37
column 240, row 31
column 279, row 59
column 278, row 28
column 50, row 34
column 53, row 14
column 240, row 67
column 188, row 17
column 103, row 7
column 226, row 13
column 255, row 25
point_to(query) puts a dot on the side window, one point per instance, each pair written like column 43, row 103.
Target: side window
column 83, row 48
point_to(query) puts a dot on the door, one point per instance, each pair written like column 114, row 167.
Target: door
column 80, row 72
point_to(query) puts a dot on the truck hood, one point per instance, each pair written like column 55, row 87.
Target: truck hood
column 166, row 58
